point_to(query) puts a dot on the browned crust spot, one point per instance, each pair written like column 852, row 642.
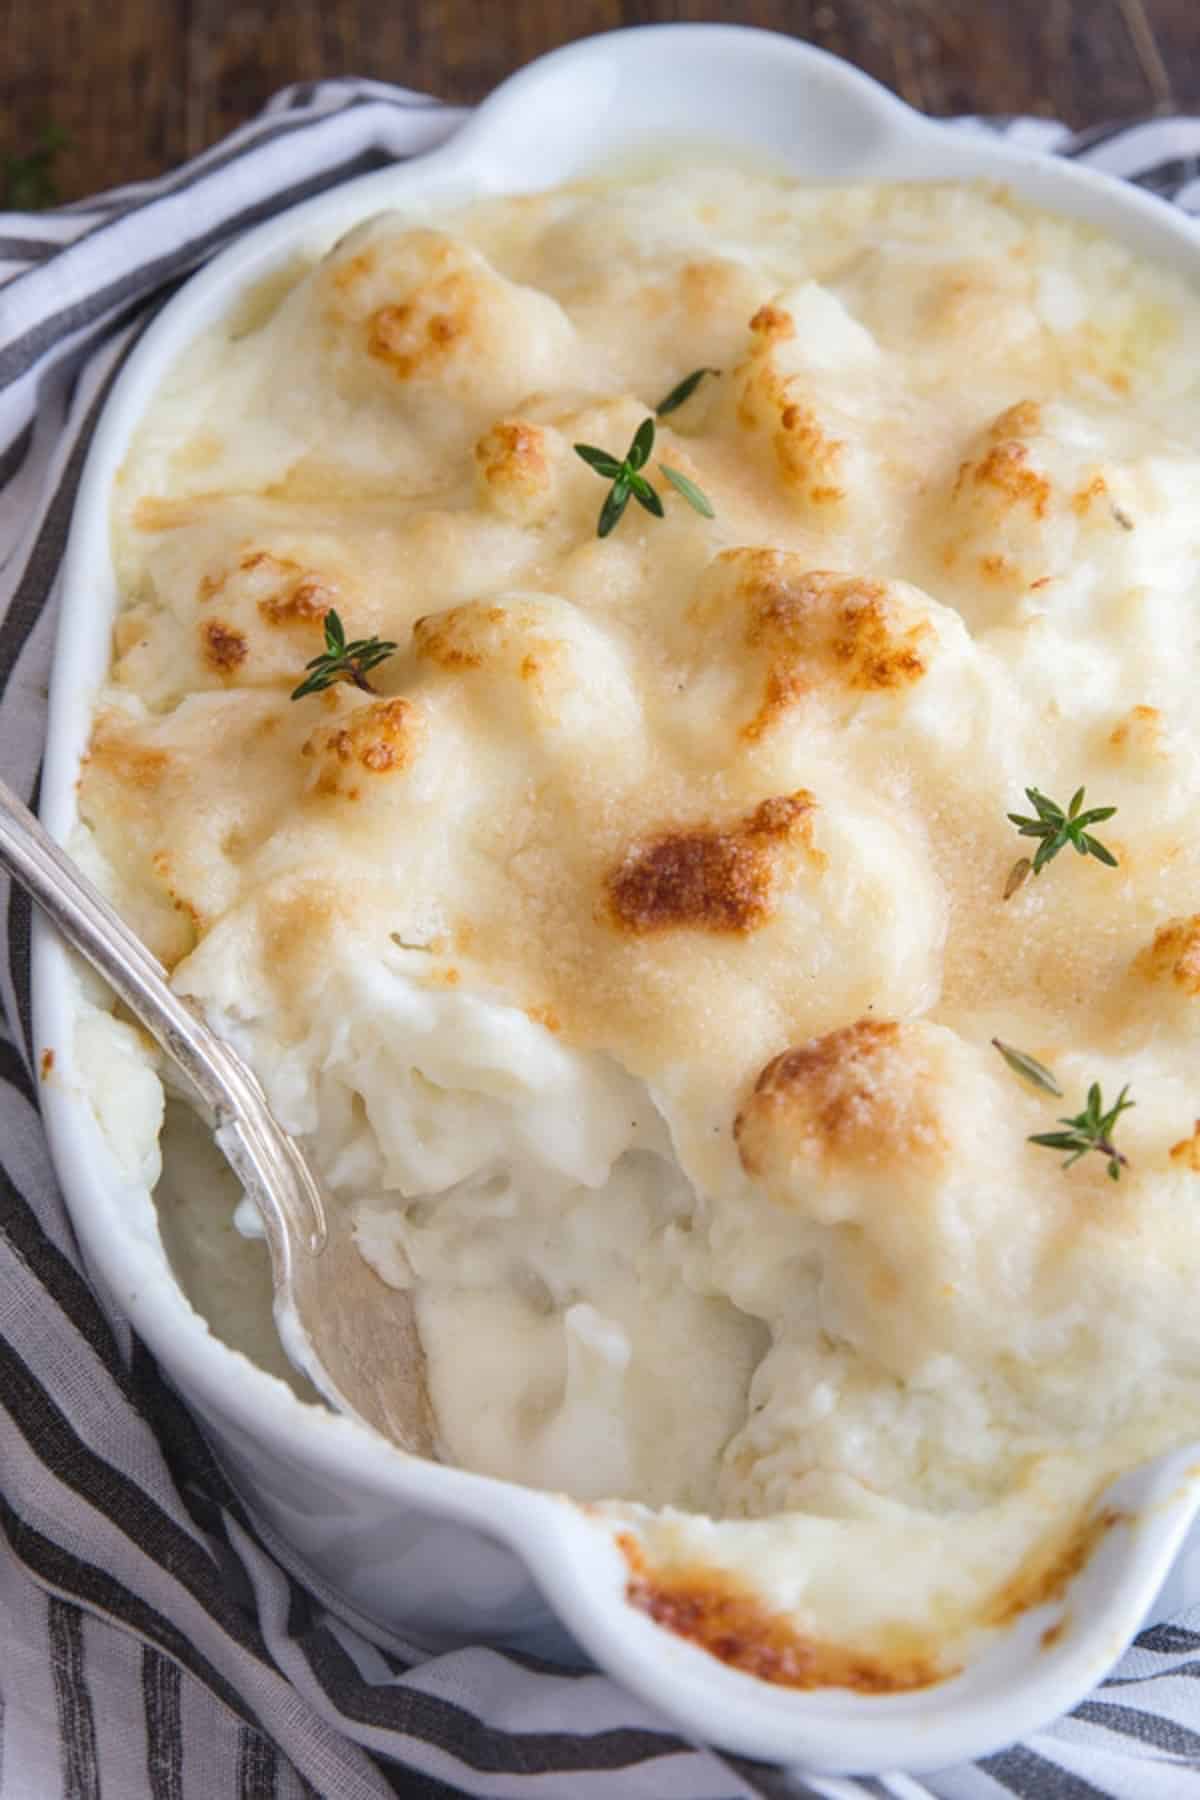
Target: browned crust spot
column 709, row 283
column 1187, row 1150
column 163, row 867
column 283, row 566
column 380, row 738
column 545, row 1016
column 154, row 513
column 1005, row 469
column 804, row 616
column 1082, row 500
column 515, row 470
column 711, row 1611
column 300, row 598
column 1022, row 420
column 809, row 457
column 46, row 1064
column 772, row 322
column 1141, row 725
column 223, row 647
column 354, row 269
column 411, row 338
column 512, row 451
column 451, row 638
column 860, row 1094
column 865, row 646
column 1174, row 954
column 1048, row 1571
column 794, row 612
column 123, row 759
column 705, row 878
column 306, row 603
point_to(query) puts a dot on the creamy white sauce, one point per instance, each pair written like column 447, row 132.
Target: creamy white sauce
column 955, row 471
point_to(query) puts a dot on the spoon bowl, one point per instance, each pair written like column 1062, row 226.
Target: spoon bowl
column 353, row 1336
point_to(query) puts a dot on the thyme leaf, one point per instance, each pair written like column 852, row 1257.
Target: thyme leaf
column 342, row 661
column 682, row 391
column 1028, row 1067
column 1090, row 1129
column 628, row 482
column 1056, row 829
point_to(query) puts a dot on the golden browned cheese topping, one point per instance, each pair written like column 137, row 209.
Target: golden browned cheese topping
column 379, row 737
column 1187, row 1150
column 406, row 340
column 307, row 601
column 732, row 1624
column 1005, row 468
column 708, row 880
column 456, row 639
column 1050, row 1568
column 224, row 648
column 1174, row 955
column 863, row 1093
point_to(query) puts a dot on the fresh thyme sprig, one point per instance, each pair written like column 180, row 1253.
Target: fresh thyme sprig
column 340, row 661
column 683, row 391
column 1057, row 828
column 1090, row 1130
column 1028, row 1067
column 628, row 483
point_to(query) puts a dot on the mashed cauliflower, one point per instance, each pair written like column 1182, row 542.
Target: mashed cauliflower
column 630, row 959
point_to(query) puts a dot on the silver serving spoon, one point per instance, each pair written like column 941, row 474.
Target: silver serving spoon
column 352, row 1335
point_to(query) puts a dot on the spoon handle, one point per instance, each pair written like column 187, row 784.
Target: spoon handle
column 261, row 1152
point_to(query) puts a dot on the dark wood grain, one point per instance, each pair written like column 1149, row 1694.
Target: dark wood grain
column 1176, row 28
column 140, row 84
column 116, row 88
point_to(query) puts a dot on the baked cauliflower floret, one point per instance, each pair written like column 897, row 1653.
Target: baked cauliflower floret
column 1174, row 955
column 808, row 394
column 930, row 299
column 423, row 318
column 179, row 804
column 771, row 641
column 884, row 1149
column 252, row 617
column 368, row 738
column 1158, row 994
column 518, row 467
column 838, row 1123
column 531, row 663
column 1055, row 509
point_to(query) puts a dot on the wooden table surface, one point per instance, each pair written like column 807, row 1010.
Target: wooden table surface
column 137, row 85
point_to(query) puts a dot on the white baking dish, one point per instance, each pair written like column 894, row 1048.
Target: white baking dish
column 430, row 1552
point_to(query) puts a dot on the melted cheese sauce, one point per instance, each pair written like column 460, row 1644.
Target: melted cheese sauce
column 631, row 959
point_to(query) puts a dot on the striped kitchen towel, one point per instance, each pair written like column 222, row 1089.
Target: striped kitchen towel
column 151, row 1645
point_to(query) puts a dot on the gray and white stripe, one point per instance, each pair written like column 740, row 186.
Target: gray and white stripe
column 153, row 1647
